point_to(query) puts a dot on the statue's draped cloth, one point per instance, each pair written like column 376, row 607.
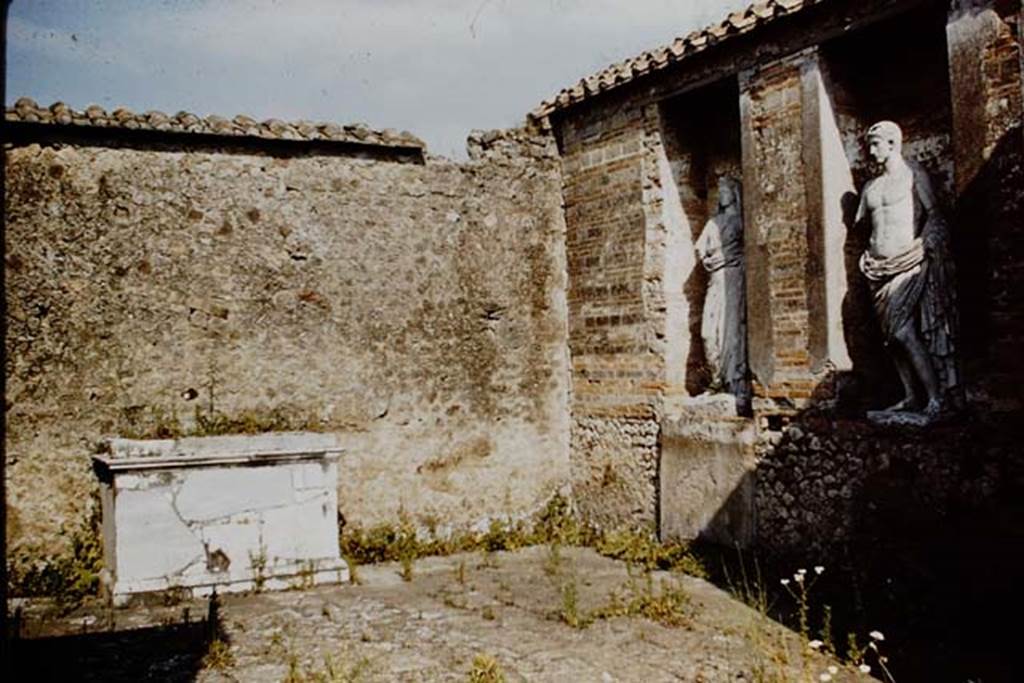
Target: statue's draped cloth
column 723, row 324
column 896, row 284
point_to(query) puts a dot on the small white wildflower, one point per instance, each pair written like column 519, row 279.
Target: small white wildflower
column 877, row 635
column 799, row 578
column 801, row 571
column 819, row 569
column 864, row 669
column 815, row 644
column 784, row 582
column 825, row 677
column 833, row 669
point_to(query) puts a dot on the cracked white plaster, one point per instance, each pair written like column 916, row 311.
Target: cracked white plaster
column 203, row 518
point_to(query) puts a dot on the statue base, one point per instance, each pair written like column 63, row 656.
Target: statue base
column 903, row 418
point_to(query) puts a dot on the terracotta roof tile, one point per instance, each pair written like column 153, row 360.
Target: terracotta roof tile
column 757, row 14
column 762, row 10
column 25, row 110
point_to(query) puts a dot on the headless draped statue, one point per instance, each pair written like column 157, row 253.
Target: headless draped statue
column 724, row 323
column 909, row 270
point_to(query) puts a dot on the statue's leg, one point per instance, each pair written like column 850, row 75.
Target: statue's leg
column 906, row 373
column 918, row 358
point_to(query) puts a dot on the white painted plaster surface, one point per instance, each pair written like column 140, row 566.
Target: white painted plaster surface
column 235, row 513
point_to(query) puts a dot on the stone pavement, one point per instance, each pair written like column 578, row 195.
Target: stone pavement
column 505, row 606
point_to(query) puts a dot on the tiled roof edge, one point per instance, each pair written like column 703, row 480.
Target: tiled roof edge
column 650, row 61
column 25, row 110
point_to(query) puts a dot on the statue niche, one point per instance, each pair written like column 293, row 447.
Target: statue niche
column 724, row 321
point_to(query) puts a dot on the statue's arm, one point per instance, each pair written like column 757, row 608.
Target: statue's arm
column 862, row 204
column 709, row 246
column 703, row 245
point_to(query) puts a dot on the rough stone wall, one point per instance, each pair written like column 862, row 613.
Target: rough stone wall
column 825, row 483
column 417, row 310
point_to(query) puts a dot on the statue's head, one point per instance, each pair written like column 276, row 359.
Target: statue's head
column 728, row 191
column 884, row 140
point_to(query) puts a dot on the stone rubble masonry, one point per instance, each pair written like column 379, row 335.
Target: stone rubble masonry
column 615, row 469
column 825, row 483
column 417, row 310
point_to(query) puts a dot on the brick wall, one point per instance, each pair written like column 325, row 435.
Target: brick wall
column 610, row 163
column 775, row 218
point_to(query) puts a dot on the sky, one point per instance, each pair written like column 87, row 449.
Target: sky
column 437, row 68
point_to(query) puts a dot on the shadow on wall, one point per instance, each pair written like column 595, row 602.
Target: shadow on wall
column 988, row 244
column 921, row 533
column 921, row 530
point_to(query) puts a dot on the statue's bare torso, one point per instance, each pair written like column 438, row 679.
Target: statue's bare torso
column 889, row 202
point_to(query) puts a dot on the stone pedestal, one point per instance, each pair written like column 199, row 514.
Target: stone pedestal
column 707, row 470
column 230, row 513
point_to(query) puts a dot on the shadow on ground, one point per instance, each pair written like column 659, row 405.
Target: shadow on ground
column 163, row 653
column 149, row 644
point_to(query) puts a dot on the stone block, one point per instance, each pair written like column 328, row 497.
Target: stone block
column 228, row 513
column 706, row 477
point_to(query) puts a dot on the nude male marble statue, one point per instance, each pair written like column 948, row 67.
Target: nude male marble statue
column 909, row 270
column 724, row 322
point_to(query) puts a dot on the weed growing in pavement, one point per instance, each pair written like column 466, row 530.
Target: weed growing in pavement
column 641, row 547
column 570, row 610
column 485, row 669
column 460, row 573
column 669, row 605
column 219, row 656
column 406, row 562
column 553, row 560
column 258, row 564
column 555, row 526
